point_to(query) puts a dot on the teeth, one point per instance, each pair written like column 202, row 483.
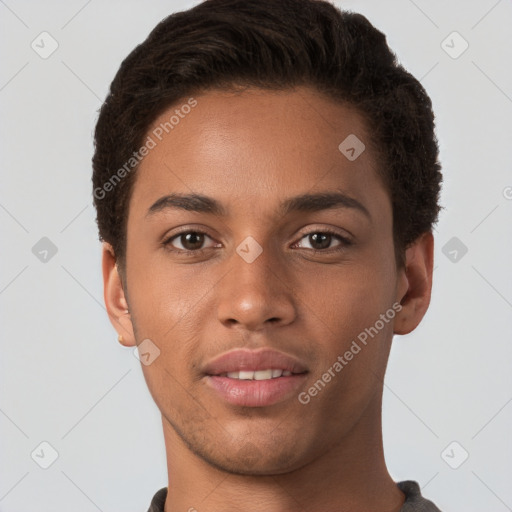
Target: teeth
column 263, row 375
column 270, row 373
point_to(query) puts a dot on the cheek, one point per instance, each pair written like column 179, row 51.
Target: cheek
column 352, row 348
column 163, row 296
column 164, row 308
column 347, row 309
column 350, row 298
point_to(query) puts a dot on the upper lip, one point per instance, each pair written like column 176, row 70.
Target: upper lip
column 253, row 360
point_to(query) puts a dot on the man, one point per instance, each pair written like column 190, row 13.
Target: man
column 266, row 180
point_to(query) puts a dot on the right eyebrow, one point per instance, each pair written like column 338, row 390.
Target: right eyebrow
column 191, row 202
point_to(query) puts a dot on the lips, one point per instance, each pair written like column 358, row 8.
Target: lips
column 245, row 360
column 260, row 378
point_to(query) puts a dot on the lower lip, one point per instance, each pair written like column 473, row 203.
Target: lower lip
column 256, row 393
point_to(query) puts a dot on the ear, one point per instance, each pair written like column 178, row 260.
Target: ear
column 115, row 299
column 415, row 284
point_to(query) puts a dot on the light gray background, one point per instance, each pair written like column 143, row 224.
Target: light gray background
column 65, row 379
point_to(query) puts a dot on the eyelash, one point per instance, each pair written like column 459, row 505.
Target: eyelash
column 345, row 242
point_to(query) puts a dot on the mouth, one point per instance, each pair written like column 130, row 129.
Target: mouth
column 255, row 378
column 271, row 373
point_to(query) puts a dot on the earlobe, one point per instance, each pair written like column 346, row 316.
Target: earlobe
column 115, row 298
column 415, row 286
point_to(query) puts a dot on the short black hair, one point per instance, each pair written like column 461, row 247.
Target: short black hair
column 273, row 45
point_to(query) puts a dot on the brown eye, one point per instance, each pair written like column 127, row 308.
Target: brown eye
column 320, row 240
column 188, row 241
column 192, row 240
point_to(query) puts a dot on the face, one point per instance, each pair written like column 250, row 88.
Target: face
column 287, row 255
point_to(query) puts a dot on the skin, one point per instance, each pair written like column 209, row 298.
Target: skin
column 251, row 150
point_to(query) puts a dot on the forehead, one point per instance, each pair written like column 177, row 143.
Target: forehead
column 257, row 145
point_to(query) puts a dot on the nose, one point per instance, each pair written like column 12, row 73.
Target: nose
column 256, row 295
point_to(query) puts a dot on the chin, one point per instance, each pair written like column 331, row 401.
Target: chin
column 255, row 461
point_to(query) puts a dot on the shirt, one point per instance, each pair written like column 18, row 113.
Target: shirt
column 414, row 501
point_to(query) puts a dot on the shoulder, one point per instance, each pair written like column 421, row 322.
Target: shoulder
column 414, row 501
column 158, row 501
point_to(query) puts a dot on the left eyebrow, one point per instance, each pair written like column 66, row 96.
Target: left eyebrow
column 304, row 203
column 322, row 201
